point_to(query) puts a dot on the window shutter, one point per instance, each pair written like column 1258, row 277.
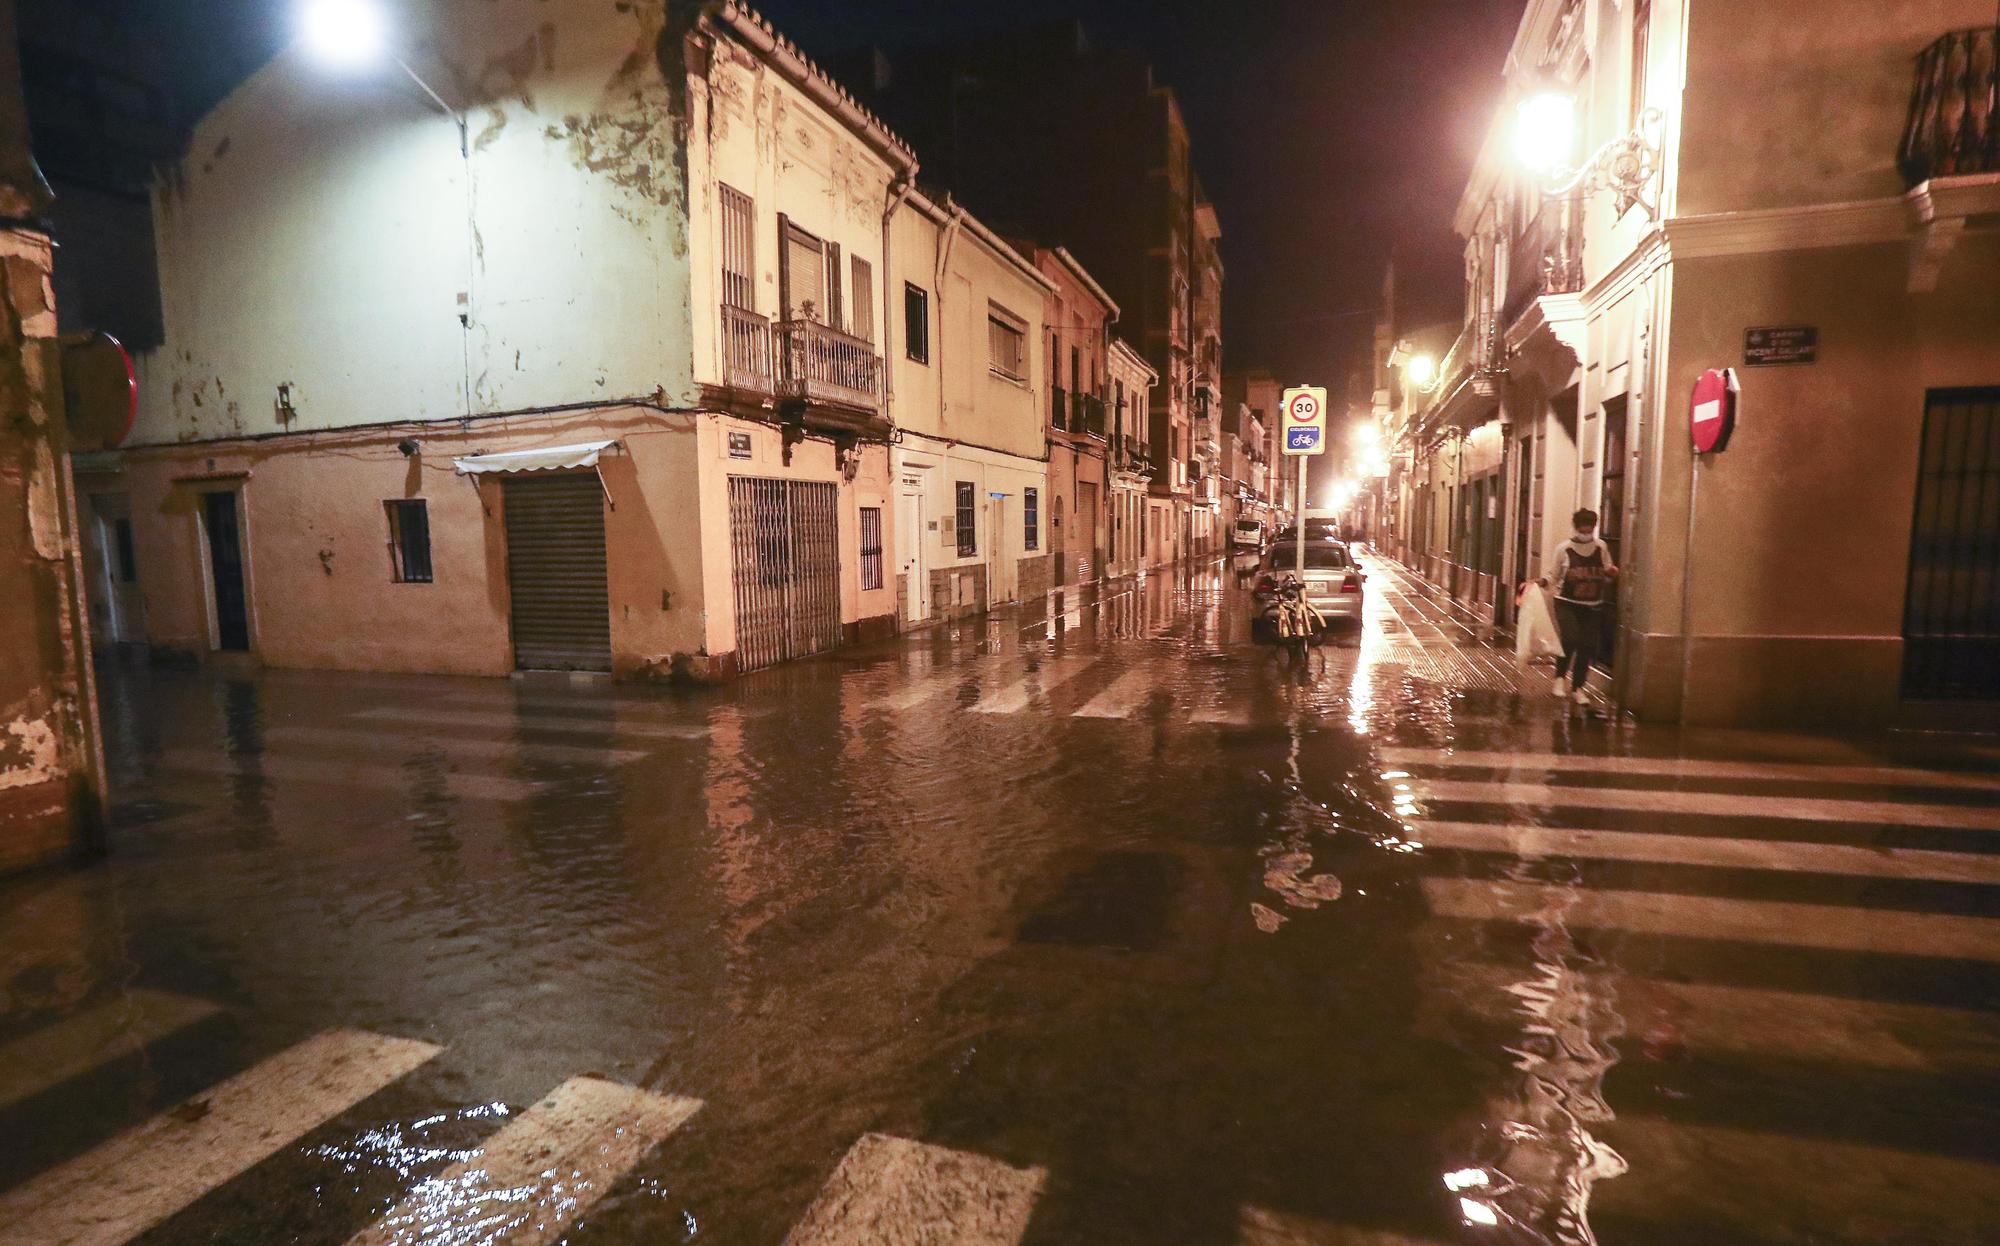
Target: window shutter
column 835, row 317
column 784, row 266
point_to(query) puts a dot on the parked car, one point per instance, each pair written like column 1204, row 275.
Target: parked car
column 1247, row 534
column 1334, row 585
column 1317, row 529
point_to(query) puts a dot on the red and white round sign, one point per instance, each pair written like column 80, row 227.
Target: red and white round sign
column 1304, row 408
column 1712, row 411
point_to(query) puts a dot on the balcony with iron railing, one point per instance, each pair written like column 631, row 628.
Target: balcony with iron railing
column 821, row 365
column 1086, row 414
column 1546, row 256
column 746, row 352
column 1953, row 127
column 1058, row 408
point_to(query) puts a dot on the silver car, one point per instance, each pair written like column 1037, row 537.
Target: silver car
column 1333, row 584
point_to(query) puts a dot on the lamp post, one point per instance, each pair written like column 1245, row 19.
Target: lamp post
column 1545, row 138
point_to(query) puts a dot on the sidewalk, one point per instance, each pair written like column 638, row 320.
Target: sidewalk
column 1426, row 633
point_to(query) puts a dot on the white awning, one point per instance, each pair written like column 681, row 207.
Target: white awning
column 547, row 459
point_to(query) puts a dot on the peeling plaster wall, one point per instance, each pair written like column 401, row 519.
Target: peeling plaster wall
column 322, row 238
column 50, row 772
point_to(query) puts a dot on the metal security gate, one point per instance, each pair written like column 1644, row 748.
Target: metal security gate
column 1951, row 616
column 556, row 572
column 784, row 538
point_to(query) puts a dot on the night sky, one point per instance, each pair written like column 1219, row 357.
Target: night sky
column 1328, row 132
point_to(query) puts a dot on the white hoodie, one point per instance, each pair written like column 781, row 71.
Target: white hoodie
column 1566, row 555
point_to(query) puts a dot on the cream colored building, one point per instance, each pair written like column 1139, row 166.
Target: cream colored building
column 1788, row 191
column 592, row 383
column 967, row 362
column 1131, row 384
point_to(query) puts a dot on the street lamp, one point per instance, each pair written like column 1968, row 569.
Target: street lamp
column 352, row 35
column 1545, row 134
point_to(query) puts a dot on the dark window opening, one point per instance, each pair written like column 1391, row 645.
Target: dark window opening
column 1031, row 519
column 1611, row 516
column 128, row 562
column 966, row 519
column 410, row 541
column 916, row 323
column 871, row 547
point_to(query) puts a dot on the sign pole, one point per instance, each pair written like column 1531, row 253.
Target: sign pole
column 1299, row 546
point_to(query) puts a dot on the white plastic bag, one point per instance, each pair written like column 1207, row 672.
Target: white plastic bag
column 1535, row 634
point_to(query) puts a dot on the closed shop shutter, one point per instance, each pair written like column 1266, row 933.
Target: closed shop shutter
column 784, row 541
column 556, row 572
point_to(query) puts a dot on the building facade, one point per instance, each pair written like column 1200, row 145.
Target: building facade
column 971, row 467
column 1827, row 567
column 1132, row 382
column 607, row 395
column 1081, row 522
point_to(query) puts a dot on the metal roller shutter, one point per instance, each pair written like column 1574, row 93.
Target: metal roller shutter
column 556, row 572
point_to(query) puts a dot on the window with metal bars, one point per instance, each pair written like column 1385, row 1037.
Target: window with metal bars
column 1031, row 518
column 965, row 519
column 1007, row 344
column 871, row 547
column 409, row 541
column 739, row 250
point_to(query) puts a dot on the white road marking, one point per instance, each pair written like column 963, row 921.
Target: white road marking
column 894, row 1190
column 97, row 1035
column 1758, row 854
column 487, row 750
column 331, row 771
column 507, row 720
column 1719, row 804
column 1709, row 1018
column 141, row 1177
column 1688, row 767
column 937, row 679
column 1014, row 698
column 1259, row 1227
column 1127, row 695
column 532, row 1180
column 1685, row 1173
column 1822, row 926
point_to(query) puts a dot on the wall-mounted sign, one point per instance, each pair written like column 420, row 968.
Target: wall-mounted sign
column 739, row 445
column 1780, row 344
column 1712, row 410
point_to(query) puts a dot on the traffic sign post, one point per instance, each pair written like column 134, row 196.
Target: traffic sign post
column 1711, row 419
column 1304, row 422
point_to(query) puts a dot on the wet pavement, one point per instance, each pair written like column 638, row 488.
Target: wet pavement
column 1105, row 928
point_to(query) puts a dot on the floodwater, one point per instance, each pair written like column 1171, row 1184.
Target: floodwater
column 1104, row 927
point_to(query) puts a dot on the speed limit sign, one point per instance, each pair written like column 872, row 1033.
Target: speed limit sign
column 1305, row 420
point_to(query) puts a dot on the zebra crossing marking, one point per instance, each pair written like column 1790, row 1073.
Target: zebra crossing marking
column 1718, row 804
column 292, row 768
column 1687, row 767
column 504, row 720
column 485, row 750
column 1125, row 696
column 141, row 1177
column 542, row 1171
column 1819, row 926
column 1656, row 849
column 1014, row 697
column 895, row 1190
column 1258, row 1226
column 97, row 1035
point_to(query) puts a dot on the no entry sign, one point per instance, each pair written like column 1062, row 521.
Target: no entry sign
column 1712, row 412
column 1305, row 420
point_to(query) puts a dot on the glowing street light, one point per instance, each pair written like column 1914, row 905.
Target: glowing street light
column 1545, row 133
column 353, row 35
column 1422, row 371
column 344, row 34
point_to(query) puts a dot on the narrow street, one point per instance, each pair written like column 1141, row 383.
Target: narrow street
column 1107, row 929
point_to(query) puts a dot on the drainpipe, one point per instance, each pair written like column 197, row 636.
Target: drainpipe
column 951, row 228
column 898, row 192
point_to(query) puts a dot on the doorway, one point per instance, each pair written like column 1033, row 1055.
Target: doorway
column 1951, row 610
column 117, row 608
column 784, row 538
column 222, row 525
column 559, row 601
column 910, row 539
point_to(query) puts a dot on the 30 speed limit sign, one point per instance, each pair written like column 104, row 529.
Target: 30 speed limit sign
column 1305, row 420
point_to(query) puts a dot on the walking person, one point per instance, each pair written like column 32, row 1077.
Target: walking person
column 1581, row 577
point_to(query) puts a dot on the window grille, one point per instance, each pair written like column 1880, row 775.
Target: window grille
column 410, row 541
column 871, row 547
column 966, row 520
column 739, row 250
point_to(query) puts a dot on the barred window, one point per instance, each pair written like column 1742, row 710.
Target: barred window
column 966, row 520
column 409, row 541
column 1007, row 342
column 1031, row 519
column 739, row 250
column 871, row 547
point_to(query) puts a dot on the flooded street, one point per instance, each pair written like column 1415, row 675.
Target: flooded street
column 1105, row 928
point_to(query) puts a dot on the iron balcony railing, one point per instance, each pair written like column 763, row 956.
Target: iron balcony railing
column 746, row 351
column 1058, row 408
column 822, row 365
column 1086, row 414
column 1546, row 256
column 1954, row 123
